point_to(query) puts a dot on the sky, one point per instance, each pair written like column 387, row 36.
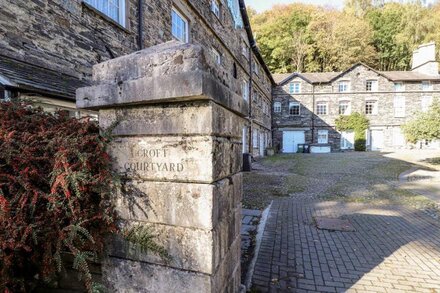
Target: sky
column 261, row 5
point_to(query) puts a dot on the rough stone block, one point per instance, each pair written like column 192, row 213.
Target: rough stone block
column 201, row 159
column 151, row 75
column 202, row 117
column 190, row 249
column 179, row 204
column 125, row 275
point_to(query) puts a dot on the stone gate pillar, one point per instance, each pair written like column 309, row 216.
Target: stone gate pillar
column 178, row 147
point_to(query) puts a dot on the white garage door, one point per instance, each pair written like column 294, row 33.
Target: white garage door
column 376, row 140
column 291, row 139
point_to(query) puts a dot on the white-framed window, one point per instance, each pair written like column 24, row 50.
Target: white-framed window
column 215, row 8
column 179, row 26
column 256, row 67
column 399, row 106
column 426, row 86
column 371, row 86
column 399, row 87
column 217, row 57
column 322, row 136
column 371, row 108
column 294, row 108
column 321, row 108
column 344, row 107
column 255, row 138
column 398, row 137
column 294, row 88
column 277, row 107
column 245, row 90
column 426, row 103
column 343, row 86
column 245, row 50
column 115, row 9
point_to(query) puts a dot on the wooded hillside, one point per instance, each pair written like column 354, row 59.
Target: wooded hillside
column 307, row 38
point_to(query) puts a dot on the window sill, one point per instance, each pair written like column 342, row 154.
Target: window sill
column 105, row 17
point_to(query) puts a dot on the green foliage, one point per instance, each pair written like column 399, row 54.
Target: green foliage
column 144, row 238
column 355, row 122
column 299, row 38
column 425, row 125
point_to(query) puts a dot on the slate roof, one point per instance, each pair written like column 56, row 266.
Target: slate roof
column 408, row 76
column 327, row 77
column 27, row 77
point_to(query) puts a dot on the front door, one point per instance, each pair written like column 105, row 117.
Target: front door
column 347, row 140
column 376, row 140
column 291, row 139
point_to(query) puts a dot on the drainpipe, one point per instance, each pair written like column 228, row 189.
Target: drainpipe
column 313, row 114
column 140, row 24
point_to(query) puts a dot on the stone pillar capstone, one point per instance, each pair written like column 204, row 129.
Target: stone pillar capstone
column 177, row 145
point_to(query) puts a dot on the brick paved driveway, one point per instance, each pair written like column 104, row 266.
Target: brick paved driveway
column 395, row 248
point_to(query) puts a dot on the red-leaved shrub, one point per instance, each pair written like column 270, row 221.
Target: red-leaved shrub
column 55, row 188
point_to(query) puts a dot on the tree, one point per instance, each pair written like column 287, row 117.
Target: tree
column 425, row 125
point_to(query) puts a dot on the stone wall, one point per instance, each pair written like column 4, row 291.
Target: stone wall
column 357, row 96
column 70, row 37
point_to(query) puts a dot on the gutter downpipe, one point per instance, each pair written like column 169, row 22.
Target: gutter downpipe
column 140, row 24
column 313, row 114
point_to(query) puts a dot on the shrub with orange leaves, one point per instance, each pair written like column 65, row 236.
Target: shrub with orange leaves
column 55, row 195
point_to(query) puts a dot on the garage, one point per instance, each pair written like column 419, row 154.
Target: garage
column 377, row 140
column 291, row 139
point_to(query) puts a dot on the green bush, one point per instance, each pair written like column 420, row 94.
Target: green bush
column 359, row 124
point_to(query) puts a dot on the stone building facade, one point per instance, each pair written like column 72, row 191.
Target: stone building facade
column 48, row 48
column 307, row 104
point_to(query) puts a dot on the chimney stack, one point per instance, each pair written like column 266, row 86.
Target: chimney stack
column 424, row 60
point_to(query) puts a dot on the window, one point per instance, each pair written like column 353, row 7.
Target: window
column 399, row 106
column 294, row 108
column 343, row 86
column 399, row 87
column 344, row 108
column 245, row 50
column 294, row 88
column 322, row 136
column 321, row 108
column 426, row 86
column 215, row 8
column 255, row 138
column 277, row 107
column 179, row 26
column 426, row 103
column 115, row 9
column 256, row 67
column 371, row 107
column 371, row 86
column 245, row 90
column 217, row 57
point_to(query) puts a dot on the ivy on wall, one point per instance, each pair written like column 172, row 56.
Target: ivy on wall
column 359, row 124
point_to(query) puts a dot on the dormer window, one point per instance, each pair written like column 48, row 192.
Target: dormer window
column 294, row 88
column 371, row 86
column 426, row 86
column 343, row 86
column 399, row 87
column 115, row 9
